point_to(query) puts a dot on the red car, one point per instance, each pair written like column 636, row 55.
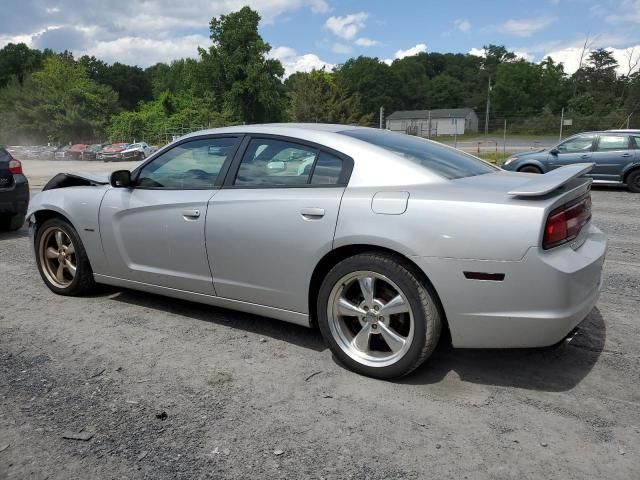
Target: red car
column 75, row 152
column 112, row 152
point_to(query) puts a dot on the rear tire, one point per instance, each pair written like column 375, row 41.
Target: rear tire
column 633, row 181
column 377, row 316
column 62, row 260
column 530, row 169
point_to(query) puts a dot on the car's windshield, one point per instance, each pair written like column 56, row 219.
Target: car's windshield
column 438, row 158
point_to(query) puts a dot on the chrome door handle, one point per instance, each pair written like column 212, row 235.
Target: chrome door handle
column 191, row 213
column 312, row 213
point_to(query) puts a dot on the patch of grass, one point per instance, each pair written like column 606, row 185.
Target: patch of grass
column 493, row 157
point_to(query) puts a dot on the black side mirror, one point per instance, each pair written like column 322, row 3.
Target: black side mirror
column 120, row 179
column 554, row 151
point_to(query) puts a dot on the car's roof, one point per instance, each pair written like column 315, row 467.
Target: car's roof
column 381, row 166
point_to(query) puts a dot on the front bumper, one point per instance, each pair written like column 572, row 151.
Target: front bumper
column 542, row 298
column 15, row 199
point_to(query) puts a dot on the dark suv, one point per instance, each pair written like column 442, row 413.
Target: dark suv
column 14, row 192
column 614, row 153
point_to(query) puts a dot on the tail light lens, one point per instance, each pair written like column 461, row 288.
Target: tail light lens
column 15, row 166
column 565, row 223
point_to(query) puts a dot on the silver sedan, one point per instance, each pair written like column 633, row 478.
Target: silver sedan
column 383, row 241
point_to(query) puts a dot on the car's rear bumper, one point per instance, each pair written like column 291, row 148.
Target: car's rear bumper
column 541, row 299
column 15, row 200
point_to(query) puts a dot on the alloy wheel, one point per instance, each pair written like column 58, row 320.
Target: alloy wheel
column 370, row 318
column 58, row 257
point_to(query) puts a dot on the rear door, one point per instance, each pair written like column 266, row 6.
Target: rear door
column 613, row 151
column 154, row 232
column 6, row 177
column 274, row 219
column 577, row 149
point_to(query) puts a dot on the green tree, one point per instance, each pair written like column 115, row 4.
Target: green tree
column 59, row 102
column 17, row 61
column 239, row 70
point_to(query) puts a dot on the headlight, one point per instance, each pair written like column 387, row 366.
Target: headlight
column 509, row 160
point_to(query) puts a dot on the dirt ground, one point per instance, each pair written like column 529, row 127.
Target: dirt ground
column 158, row 388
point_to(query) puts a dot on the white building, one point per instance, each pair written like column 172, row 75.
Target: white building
column 431, row 123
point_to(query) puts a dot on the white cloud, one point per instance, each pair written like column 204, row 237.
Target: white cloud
column 462, row 24
column 146, row 51
column 340, row 48
column 526, row 27
column 366, row 42
column 141, row 31
column 292, row 62
column 347, row 26
column 570, row 57
column 419, row 48
column 319, row 6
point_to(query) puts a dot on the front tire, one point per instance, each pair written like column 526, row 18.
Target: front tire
column 62, row 260
column 633, row 181
column 378, row 317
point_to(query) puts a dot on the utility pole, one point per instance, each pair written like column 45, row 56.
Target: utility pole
column 486, row 116
column 504, row 139
column 381, row 117
column 561, row 123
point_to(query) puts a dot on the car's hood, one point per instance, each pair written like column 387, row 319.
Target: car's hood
column 132, row 149
column 63, row 180
column 112, row 150
column 532, row 153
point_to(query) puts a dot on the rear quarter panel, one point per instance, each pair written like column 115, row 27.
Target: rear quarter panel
column 441, row 221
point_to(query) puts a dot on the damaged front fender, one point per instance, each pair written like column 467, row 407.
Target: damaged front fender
column 78, row 179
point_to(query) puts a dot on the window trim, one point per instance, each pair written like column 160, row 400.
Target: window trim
column 135, row 173
column 232, row 172
column 629, row 144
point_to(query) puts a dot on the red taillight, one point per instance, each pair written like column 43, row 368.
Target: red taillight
column 15, row 166
column 564, row 224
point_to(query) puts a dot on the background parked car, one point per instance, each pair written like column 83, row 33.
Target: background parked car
column 112, row 152
column 91, row 151
column 75, row 151
column 136, row 151
column 615, row 153
column 14, row 192
column 61, row 151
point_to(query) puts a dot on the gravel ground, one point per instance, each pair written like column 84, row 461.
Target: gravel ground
column 157, row 388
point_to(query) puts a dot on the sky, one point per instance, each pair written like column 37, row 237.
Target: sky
column 306, row 34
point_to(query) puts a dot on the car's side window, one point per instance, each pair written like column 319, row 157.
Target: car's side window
column 327, row 170
column 582, row 143
column 190, row 165
column 271, row 162
column 613, row 142
column 636, row 140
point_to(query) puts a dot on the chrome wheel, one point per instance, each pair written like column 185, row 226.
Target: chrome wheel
column 370, row 318
column 58, row 257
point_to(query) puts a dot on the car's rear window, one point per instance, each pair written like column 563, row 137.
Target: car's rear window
column 441, row 159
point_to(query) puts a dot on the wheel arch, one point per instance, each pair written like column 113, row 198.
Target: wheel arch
column 43, row 214
column 634, row 167
column 336, row 255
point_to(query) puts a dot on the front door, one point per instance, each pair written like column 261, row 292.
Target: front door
column 154, row 232
column 273, row 221
column 576, row 149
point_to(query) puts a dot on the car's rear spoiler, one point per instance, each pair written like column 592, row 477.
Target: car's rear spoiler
column 547, row 183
